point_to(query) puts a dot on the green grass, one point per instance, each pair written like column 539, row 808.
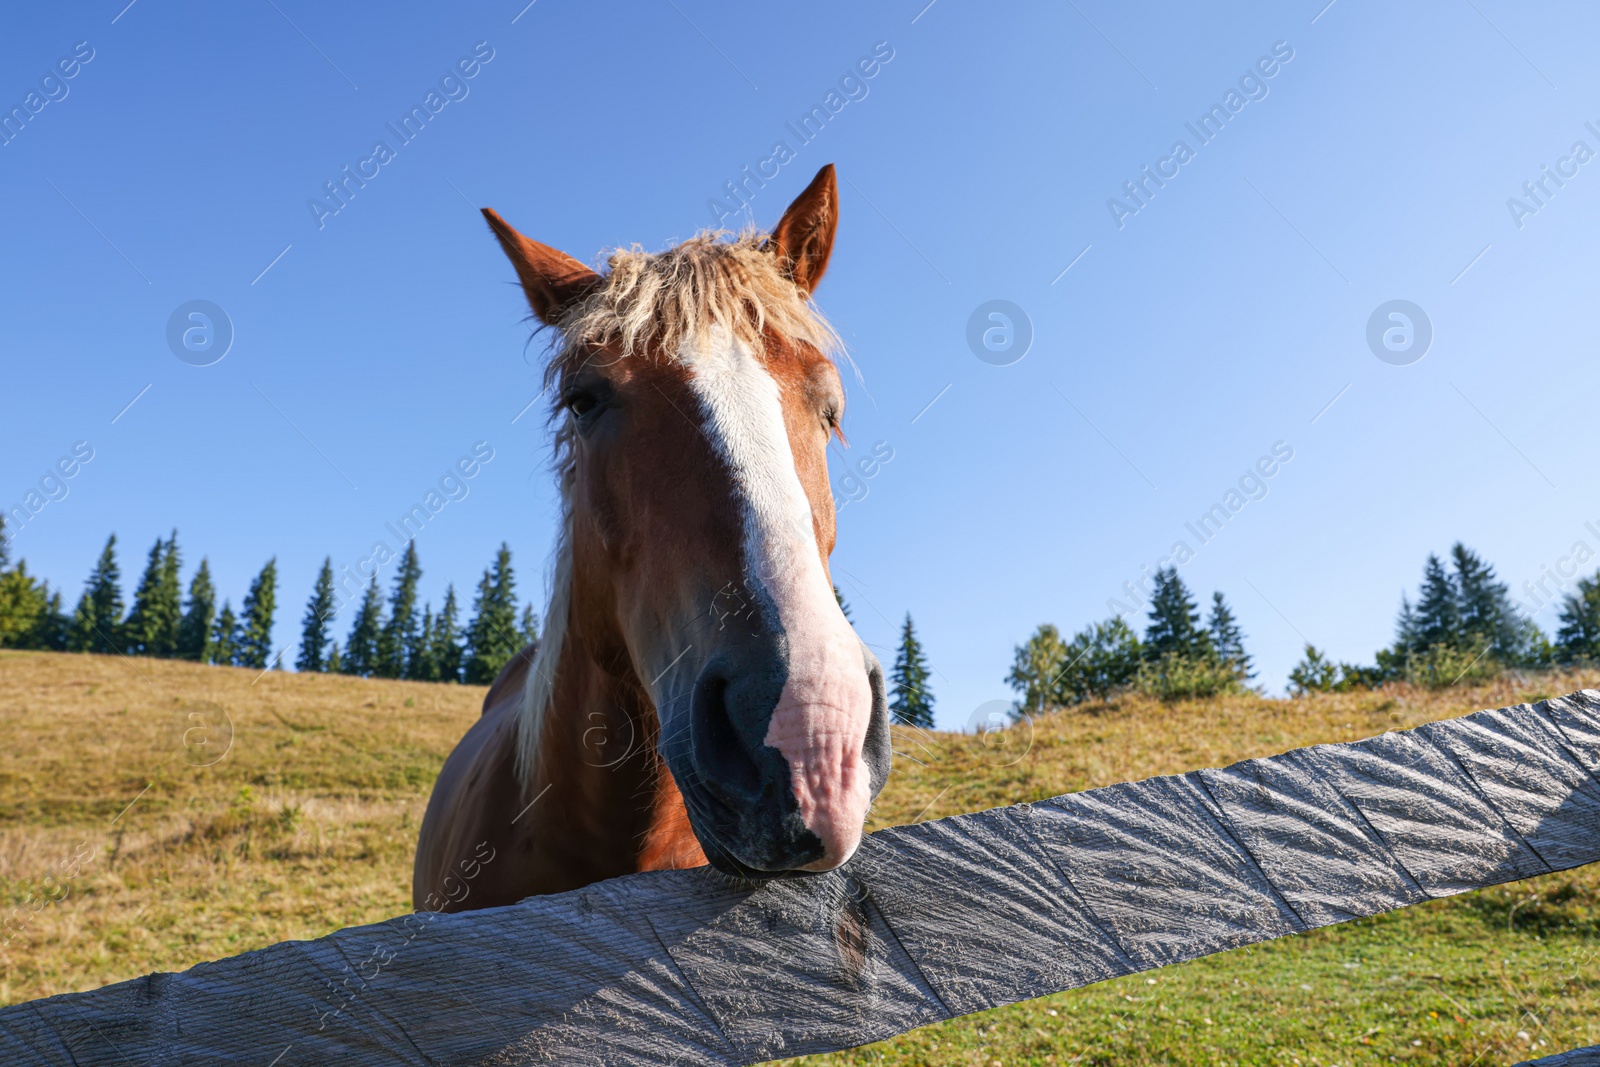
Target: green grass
column 1486, row 979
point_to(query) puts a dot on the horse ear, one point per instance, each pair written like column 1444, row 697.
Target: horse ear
column 553, row 280
column 804, row 236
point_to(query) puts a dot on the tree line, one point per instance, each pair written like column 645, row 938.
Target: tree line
column 1462, row 624
column 1180, row 654
column 388, row 637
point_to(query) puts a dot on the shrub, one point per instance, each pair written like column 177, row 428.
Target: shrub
column 1099, row 661
column 1315, row 673
column 1175, row 677
column 1442, row 666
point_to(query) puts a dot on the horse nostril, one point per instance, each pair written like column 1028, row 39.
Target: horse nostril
column 722, row 757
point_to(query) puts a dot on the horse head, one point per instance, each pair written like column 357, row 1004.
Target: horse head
column 696, row 395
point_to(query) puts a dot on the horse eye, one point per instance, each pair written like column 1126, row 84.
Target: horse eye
column 580, row 403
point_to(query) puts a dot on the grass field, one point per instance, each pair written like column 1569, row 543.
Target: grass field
column 154, row 814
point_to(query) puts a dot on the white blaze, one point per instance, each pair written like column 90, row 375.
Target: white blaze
column 820, row 722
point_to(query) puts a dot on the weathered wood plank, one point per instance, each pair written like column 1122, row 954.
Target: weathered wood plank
column 1578, row 1057
column 1443, row 832
column 958, row 887
column 930, row 921
column 817, row 949
column 1577, row 717
column 1518, row 762
column 1313, row 845
column 1157, row 870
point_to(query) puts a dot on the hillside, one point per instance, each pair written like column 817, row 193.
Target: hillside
column 122, row 853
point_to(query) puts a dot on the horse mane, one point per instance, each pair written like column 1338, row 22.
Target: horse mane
column 656, row 305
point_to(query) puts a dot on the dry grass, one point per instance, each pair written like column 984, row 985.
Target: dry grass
column 119, row 856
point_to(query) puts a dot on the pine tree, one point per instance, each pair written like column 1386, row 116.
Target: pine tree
column 420, row 660
column 97, row 622
column 361, row 648
column 1467, row 612
column 445, row 653
column 167, row 613
column 1315, row 673
column 1406, row 631
column 81, row 635
column 225, row 637
column 53, row 626
column 136, row 628
column 255, row 627
column 1438, row 614
column 492, row 638
column 1488, row 618
column 528, row 626
column 335, row 661
column 151, row 628
column 911, row 703
column 1227, row 641
column 418, row 646
column 844, row 606
column 314, row 629
column 194, row 631
column 1578, row 639
column 1174, row 627
column 399, row 632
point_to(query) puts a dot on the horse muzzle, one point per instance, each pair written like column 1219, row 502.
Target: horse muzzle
column 780, row 760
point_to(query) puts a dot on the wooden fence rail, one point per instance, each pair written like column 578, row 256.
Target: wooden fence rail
column 930, row 921
column 1578, row 1057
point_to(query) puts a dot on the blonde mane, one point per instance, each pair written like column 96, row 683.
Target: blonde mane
column 654, row 305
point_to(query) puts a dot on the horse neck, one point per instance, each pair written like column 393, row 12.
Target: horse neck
column 598, row 752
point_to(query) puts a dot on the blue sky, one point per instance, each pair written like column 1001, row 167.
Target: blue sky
column 1172, row 346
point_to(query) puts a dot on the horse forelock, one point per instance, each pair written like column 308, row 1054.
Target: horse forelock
column 657, row 301
column 660, row 304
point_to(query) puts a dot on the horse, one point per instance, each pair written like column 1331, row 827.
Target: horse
column 698, row 695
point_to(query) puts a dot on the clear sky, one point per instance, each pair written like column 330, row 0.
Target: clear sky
column 1177, row 336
